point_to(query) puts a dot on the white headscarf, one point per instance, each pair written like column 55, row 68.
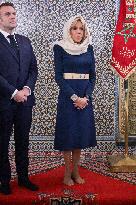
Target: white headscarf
column 67, row 42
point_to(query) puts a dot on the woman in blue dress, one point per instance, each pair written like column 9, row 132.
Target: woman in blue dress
column 75, row 76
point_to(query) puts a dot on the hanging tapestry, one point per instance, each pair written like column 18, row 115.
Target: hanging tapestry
column 124, row 43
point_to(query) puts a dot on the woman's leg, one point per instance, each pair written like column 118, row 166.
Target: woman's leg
column 75, row 173
column 67, row 177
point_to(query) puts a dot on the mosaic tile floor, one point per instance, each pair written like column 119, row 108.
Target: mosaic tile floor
column 94, row 161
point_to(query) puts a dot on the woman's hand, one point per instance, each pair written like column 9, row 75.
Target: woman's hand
column 81, row 103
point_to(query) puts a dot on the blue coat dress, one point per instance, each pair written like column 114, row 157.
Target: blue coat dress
column 75, row 129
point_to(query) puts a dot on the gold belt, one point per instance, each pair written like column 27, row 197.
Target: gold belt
column 75, row 76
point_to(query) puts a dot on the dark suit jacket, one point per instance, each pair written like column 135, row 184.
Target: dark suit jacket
column 16, row 73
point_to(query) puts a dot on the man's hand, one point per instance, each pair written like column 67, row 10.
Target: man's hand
column 20, row 96
column 26, row 91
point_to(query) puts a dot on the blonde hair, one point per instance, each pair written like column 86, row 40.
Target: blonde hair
column 84, row 29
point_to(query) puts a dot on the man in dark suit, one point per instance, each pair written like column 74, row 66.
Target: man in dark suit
column 18, row 74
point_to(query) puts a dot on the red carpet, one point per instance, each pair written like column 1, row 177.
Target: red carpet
column 109, row 191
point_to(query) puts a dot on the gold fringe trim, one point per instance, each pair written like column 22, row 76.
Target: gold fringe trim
column 128, row 75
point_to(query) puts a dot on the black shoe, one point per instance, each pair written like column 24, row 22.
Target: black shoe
column 5, row 189
column 28, row 184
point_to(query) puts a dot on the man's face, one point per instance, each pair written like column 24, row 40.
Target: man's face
column 7, row 18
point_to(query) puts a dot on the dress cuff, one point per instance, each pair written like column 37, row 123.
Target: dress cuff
column 87, row 96
column 74, row 97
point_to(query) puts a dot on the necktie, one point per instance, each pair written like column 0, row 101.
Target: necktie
column 13, row 44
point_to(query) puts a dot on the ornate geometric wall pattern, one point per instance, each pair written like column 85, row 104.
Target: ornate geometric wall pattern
column 42, row 21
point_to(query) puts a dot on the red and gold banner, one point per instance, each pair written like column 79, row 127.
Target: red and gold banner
column 124, row 44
